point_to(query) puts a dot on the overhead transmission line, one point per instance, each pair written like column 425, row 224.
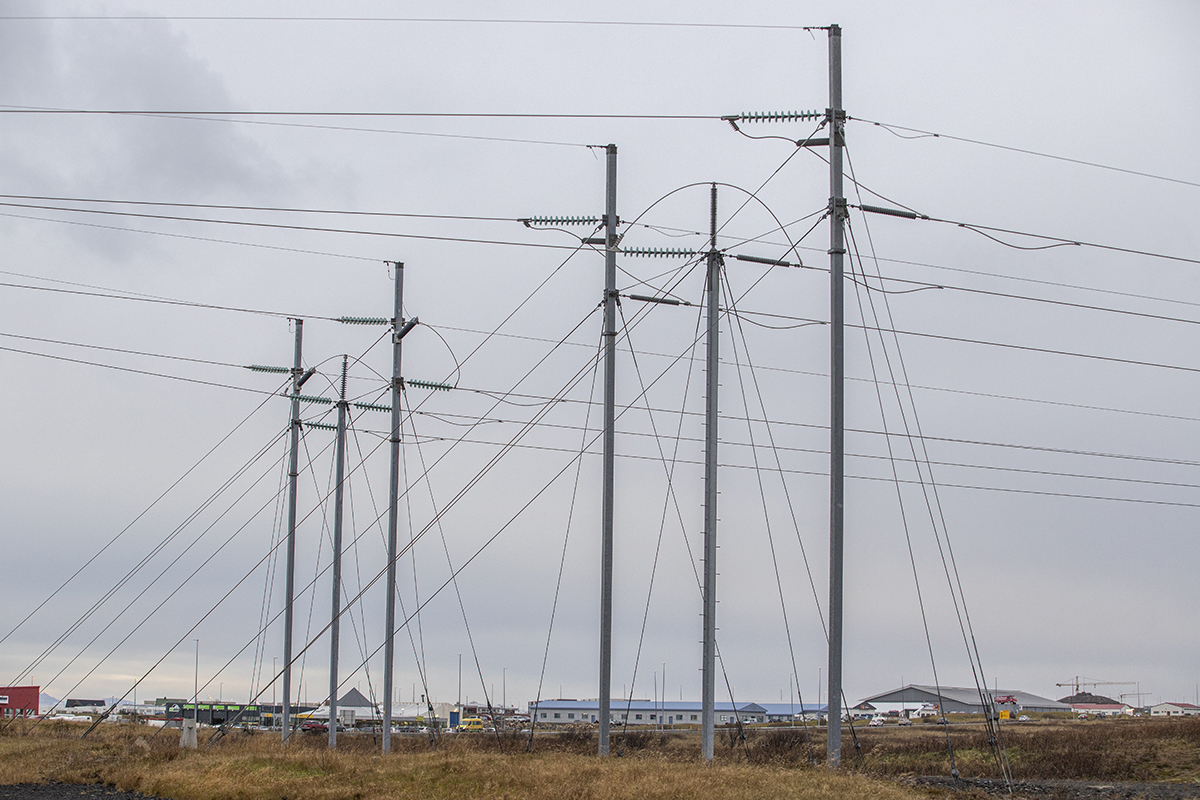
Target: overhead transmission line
column 787, row 370
column 922, row 134
column 273, row 209
column 817, row 426
column 429, row 20
column 190, row 237
column 282, row 226
column 351, row 114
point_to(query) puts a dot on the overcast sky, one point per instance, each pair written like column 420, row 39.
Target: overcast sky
column 1067, row 480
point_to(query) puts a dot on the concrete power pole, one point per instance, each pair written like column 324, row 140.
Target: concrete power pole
column 290, row 577
column 837, row 373
column 610, row 375
column 389, row 653
column 708, row 701
column 336, row 613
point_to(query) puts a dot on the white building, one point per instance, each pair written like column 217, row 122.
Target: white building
column 669, row 713
column 1174, row 710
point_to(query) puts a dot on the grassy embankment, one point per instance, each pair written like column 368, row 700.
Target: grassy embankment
column 770, row 763
column 462, row 768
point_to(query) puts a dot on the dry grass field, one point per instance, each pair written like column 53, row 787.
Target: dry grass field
column 767, row 763
column 461, row 768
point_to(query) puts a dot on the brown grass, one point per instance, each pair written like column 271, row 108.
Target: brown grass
column 1102, row 750
column 250, row 767
column 647, row 765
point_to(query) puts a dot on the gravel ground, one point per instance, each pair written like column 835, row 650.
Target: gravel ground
column 1062, row 790
column 66, row 791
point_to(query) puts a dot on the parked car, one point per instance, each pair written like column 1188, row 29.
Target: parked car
column 942, row 721
column 1023, row 718
column 904, row 721
column 876, row 722
column 313, row 726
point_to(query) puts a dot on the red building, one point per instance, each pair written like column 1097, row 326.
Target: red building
column 19, row 701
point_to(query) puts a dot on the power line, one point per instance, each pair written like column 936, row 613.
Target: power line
column 282, row 209
column 120, row 350
column 346, row 128
column 282, row 226
column 867, row 431
column 790, row 371
column 164, row 301
column 818, row 473
column 128, row 112
column 190, row 237
column 425, row 20
column 134, row 371
column 1025, row 151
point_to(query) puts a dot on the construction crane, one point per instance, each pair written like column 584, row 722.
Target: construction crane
column 1078, row 681
column 1138, row 695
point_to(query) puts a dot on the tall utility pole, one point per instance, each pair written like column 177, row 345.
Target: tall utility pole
column 837, row 375
column 708, row 690
column 290, row 577
column 335, row 619
column 389, row 652
column 610, row 413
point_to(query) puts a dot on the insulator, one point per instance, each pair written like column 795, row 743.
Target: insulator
column 532, row 221
column 655, row 252
column 437, row 387
column 309, row 399
column 779, row 116
column 372, row 407
column 669, row 301
column 364, row 321
column 261, row 368
column 893, row 212
column 320, row 426
column 775, row 262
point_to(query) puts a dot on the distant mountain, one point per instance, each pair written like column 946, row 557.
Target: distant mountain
column 46, row 702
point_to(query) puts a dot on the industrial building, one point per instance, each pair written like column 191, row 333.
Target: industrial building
column 1174, row 710
column 669, row 712
column 19, row 701
column 965, row 700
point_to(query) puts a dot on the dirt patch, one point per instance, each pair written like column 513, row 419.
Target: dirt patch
column 1056, row 789
column 66, row 791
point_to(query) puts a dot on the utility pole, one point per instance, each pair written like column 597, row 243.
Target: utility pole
column 290, row 576
column 335, row 620
column 837, row 375
column 610, row 405
column 708, row 689
column 389, row 652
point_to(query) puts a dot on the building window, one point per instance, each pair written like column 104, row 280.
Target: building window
column 651, row 716
column 543, row 715
column 724, row 718
column 693, row 717
column 571, row 715
column 637, row 716
column 557, row 715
